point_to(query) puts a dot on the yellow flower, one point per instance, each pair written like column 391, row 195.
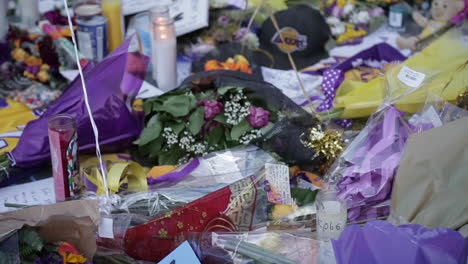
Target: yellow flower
column 341, row 3
column 330, row 2
column 75, row 259
column 45, row 67
column 19, row 54
column 43, row 76
column 29, row 75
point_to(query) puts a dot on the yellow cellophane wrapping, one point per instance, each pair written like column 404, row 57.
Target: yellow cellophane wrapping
column 445, row 63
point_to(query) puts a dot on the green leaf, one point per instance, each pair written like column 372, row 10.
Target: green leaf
column 192, row 101
column 177, row 127
column 196, row 120
column 155, row 147
column 215, row 136
column 171, row 157
column 147, row 135
column 154, row 122
column 207, row 95
column 147, row 107
column 221, row 118
column 177, row 106
column 225, row 89
column 303, row 196
column 240, row 129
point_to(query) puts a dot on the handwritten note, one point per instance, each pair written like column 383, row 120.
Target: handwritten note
column 34, row 193
column 181, row 255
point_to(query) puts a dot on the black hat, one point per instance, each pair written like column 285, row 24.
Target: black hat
column 305, row 34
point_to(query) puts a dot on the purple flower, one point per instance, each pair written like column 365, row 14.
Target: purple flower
column 212, row 108
column 223, row 20
column 33, row 69
column 258, row 117
column 376, row 12
column 241, row 33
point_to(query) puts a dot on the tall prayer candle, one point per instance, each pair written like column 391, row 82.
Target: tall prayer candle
column 112, row 10
column 164, row 51
column 3, row 19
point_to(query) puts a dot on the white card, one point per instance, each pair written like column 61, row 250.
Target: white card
column 411, row 77
column 106, row 228
column 34, row 193
column 278, row 177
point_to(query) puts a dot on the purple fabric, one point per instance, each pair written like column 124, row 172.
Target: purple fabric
column 176, row 175
column 334, row 77
column 112, row 85
column 379, row 242
column 372, row 161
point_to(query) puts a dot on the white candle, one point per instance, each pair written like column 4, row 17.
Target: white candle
column 3, row 19
column 164, row 52
column 29, row 10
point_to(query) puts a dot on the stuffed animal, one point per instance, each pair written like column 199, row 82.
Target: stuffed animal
column 443, row 12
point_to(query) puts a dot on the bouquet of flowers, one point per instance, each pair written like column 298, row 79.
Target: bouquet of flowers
column 186, row 123
column 215, row 110
column 350, row 20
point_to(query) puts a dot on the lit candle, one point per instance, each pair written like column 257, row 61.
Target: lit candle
column 29, row 10
column 164, row 49
column 112, row 10
column 3, row 19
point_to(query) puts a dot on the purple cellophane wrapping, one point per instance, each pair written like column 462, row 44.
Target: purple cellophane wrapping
column 371, row 162
column 111, row 85
column 379, row 242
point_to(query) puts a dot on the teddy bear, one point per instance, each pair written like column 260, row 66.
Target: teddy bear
column 442, row 11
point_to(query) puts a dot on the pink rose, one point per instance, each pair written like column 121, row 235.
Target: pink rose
column 258, row 117
column 212, row 108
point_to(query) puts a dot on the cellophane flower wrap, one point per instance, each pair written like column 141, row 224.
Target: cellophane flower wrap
column 241, row 206
column 380, row 242
column 217, row 110
column 112, row 84
column 369, row 164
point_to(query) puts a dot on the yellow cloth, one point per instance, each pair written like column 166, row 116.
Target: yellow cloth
column 432, row 27
column 445, row 64
column 13, row 119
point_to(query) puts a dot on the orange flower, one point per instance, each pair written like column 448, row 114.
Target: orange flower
column 29, row 75
column 239, row 63
column 74, row 259
column 212, row 65
column 33, row 61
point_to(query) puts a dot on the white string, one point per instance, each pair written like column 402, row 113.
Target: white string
column 88, row 108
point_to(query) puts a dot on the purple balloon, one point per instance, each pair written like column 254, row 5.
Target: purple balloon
column 112, row 85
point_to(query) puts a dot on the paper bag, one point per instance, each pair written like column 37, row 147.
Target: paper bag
column 74, row 222
column 430, row 186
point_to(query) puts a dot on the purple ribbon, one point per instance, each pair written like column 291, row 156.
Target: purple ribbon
column 176, row 175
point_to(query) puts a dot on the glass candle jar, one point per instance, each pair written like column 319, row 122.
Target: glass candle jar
column 164, row 49
column 63, row 141
column 331, row 214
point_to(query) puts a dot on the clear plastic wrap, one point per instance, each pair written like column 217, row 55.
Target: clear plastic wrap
column 365, row 171
column 238, row 207
column 259, row 246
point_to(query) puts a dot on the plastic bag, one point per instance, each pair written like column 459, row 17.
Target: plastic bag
column 446, row 56
column 380, row 242
column 282, row 136
column 241, row 206
column 112, row 85
column 256, row 246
